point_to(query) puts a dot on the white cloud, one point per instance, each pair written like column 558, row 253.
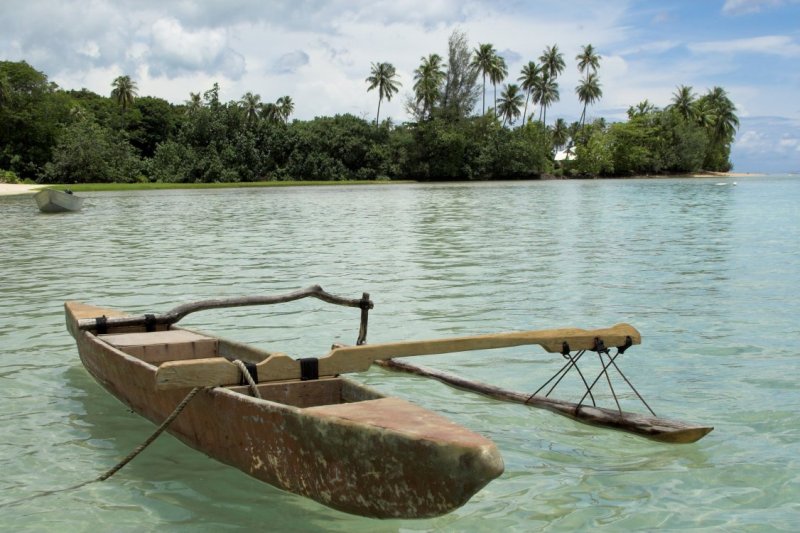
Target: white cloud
column 738, row 7
column 291, row 61
column 767, row 144
column 781, row 45
column 175, row 50
column 89, row 49
column 651, row 47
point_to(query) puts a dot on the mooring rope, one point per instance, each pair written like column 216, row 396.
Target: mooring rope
column 116, row 468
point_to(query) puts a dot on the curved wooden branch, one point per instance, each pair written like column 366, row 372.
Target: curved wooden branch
column 174, row 315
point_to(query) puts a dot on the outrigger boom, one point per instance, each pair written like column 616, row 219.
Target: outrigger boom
column 219, row 371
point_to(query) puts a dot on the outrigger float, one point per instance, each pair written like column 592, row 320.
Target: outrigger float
column 302, row 427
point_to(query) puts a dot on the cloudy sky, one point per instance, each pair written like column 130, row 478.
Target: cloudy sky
column 319, row 52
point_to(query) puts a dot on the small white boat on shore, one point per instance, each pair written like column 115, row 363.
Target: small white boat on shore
column 55, row 201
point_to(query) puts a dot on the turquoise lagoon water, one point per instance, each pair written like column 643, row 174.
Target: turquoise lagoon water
column 708, row 272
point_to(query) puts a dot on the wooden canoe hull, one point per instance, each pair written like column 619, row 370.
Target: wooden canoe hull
column 373, row 456
column 55, row 201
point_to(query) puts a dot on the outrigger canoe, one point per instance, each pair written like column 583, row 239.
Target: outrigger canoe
column 305, row 428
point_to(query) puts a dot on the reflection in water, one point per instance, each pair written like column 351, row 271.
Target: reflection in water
column 702, row 271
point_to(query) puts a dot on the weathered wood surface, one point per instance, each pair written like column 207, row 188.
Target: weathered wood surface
column 160, row 346
column 55, row 201
column 658, row 429
column 174, row 315
column 380, row 457
column 340, row 360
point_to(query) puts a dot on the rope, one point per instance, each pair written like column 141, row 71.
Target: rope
column 139, row 449
column 246, row 374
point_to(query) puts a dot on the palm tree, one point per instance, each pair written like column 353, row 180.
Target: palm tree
column 483, row 61
column 193, row 103
column 683, row 101
column 725, row 120
column 588, row 59
column 703, row 114
column 124, row 91
column 497, row 74
column 510, row 103
column 641, row 109
column 383, row 77
column 560, row 133
column 529, row 78
column 272, row 112
column 552, row 61
column 251, row 103
column 285, row 108
column 546, row 93
column 428, row 80
column 589, row 92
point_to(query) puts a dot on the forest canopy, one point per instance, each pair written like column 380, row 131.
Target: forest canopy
column 461, row 129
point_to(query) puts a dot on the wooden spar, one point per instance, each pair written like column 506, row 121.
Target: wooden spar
column 219, row 371
column 174, row 315
column 658, row 429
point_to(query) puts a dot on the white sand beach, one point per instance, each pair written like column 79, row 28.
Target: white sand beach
column 8, row 189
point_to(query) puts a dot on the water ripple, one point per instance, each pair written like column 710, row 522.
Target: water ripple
column 706, row 273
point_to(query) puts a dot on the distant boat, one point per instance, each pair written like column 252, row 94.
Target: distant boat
column 55, row 201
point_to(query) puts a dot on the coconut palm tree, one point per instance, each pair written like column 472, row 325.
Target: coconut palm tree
column 251, row 103
column 483, row 61
column 124, row 91
column 588, row 59
column 552, row 61
column 703, row 114
column 528, row 80
column 193, row 103
column 725, row 120
column 497, row 74
column 560, row 133
column 510, row 103
column 589, row 92
column 683, row 101
column 546, row 93
column 641, row 109
column 382, row 76
column 285, row 108
column 428, row 80
column 271, row 112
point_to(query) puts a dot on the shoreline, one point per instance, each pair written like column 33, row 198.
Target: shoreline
column 13, row 189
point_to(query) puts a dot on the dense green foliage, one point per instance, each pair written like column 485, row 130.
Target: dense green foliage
column 55, row 136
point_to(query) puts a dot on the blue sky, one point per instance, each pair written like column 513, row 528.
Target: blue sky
column 319, row 52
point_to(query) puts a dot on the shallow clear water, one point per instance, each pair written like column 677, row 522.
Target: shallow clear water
column 707, row 272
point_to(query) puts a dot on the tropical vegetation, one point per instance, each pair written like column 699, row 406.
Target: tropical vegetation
column 52, row 135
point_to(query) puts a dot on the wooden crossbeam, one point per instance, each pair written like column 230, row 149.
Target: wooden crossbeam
column 219, row 371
